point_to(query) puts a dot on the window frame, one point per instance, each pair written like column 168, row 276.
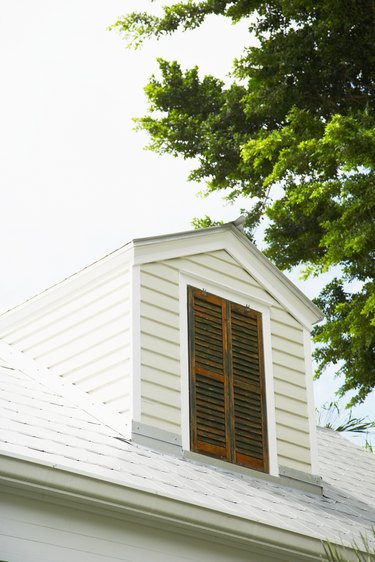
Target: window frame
column 234, row 389
column 261, row 305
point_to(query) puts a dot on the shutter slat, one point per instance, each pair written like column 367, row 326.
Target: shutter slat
column 247, row 373
column 208, row 421
column 226, row 380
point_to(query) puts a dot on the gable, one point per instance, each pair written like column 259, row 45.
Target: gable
column 163, row 387
column 229, row 238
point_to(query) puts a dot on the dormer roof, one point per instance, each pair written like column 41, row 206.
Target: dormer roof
column 230, row 237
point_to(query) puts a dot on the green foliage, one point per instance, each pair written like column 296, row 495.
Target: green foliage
column 294, row 132
column 332, row 416
column 205, row 222
column 363, row 552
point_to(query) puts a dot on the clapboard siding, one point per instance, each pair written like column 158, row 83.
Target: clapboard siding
column 278, row 314
column 285, row 373
column 289, row 434
column 159, row 315
column 289, row 361
column 59, row 329
column 222, row 275
column 161, row 378
column 80, row 329
column 64, row 294
column 292, row 452
column 96, row 366
column 35, row 530
column 160, row 347
column 286, row 388
column 293, row 437
column 160, row 393
column 49, row 319
column 285, row 345
column 115, row 371
column 160, row 352
column 291, row 419
column 163, row 302
column 165, row 332
column 167, row 417
column 160, row 362
column 286, row 331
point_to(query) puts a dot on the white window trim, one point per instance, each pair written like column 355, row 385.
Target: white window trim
column 135, row 352
column 310, row 402
column 211, row 286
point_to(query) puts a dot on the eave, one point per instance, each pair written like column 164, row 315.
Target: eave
column 52, row 482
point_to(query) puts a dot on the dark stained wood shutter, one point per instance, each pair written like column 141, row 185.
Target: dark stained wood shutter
column 227, row 402
column 208, row 388
column 247, row 372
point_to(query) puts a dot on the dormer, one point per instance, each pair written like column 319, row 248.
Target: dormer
column 195, row 338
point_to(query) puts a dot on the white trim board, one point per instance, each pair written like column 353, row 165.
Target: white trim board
column 228, row 237
column 310, row 401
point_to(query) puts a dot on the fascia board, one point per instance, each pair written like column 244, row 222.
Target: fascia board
column 82, row 489
column 229, row 238
column 159, row 248
column 275, row 282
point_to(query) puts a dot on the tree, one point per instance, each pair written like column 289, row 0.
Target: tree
column 294, row 132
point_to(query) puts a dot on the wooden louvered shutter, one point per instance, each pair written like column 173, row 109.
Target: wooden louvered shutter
column 247, row 372
column 208, row 381
column 227, row 400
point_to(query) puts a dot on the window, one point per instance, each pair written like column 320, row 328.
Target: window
column 227, row 401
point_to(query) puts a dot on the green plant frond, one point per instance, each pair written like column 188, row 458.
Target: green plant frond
column 333, row 416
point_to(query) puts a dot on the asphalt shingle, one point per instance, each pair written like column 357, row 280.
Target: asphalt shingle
column 41, row 424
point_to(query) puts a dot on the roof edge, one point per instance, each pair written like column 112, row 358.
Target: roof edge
column 235, row 227
column 80, row 488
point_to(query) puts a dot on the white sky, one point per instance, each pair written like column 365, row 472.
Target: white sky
column 75, row 180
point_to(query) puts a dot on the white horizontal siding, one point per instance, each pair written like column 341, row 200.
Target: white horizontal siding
column 160, row 347
column 96, row 366
column 160, row 352
column 160, row 377
column 292, row 428
column 65, row 292
column 228, row 274
column 80, row 329
column 35, row 531
column 152, row 312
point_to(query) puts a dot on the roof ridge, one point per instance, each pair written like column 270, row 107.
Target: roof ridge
column 29, row 367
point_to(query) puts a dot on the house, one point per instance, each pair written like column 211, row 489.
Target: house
column 158, row 406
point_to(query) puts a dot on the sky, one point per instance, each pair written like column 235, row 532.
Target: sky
column 75, row 179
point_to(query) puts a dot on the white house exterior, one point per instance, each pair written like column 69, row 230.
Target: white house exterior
column 98, row 456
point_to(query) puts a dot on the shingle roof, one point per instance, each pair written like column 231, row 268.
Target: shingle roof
column 43, row 425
